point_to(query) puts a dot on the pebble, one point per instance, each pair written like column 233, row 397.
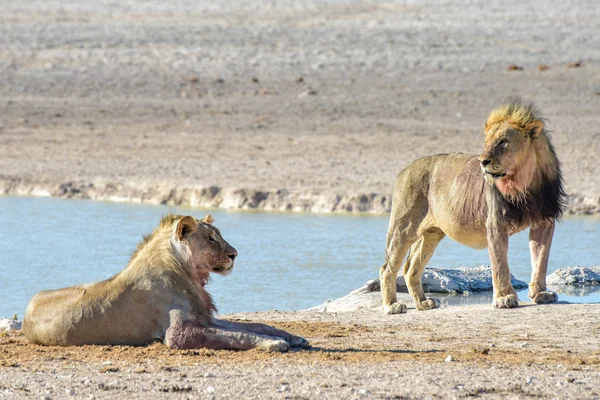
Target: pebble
column 528, row 380
column 284, row 388
column 449, row 359
column 210, row 389
column 309, row 92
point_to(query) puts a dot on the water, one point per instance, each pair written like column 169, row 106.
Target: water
column 286, row 261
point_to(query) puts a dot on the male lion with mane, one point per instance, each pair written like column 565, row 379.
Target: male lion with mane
column 159, row 296
column 478, row 201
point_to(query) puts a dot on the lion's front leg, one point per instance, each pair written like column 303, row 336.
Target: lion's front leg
column 540, row 240
column 505, row 295
column 262, row 329
column 192, row 335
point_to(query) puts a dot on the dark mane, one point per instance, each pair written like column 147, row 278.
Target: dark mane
column 548, row 201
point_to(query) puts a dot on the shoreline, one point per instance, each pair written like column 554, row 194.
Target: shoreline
column 274, row 200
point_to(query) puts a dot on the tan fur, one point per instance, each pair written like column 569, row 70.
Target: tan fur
column 453, row 195
column 208, row 219
column 160, row 295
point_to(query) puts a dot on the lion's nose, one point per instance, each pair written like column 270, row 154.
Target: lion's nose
column 485, row 161
column 233, row 254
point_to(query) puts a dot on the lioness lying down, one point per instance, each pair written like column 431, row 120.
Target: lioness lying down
column 478, row 201
column 159, row 296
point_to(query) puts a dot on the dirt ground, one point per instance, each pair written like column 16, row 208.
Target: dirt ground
column 305, row 105
column 281, row 105
column 533, row 351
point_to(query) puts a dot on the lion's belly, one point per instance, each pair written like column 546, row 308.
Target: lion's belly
column 473, row 239
column 472, row 236
column 469, row 231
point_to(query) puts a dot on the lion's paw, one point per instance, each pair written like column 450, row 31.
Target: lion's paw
column 298, row 341
column 274, row 345
column 429, row 304
column 394, row 308
column 544, row 297
column 508, row 301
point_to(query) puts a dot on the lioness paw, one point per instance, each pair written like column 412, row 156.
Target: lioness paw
column 544, row 297
column 298, row 341
column 394, row 308
column 509, row 301
column 428, row 304
column 274, row 345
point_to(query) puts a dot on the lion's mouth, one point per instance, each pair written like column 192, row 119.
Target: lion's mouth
column 496, row 175
column 224, row 269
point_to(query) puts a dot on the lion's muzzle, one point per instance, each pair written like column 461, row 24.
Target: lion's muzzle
column 487, row 170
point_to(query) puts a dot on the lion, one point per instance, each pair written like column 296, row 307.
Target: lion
column 159, row 296
column 478, row 201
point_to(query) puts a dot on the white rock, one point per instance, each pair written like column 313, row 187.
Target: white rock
column 451, row 280
column 576, row 276
column 448, row 359
column 9, row 324
column 435, row 280
column 458, row 280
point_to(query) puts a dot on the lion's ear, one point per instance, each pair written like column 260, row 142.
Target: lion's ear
column 535, row 128
column 186, row 225
column 208, row 219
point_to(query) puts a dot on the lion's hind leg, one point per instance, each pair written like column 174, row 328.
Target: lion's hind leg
column 420, row 254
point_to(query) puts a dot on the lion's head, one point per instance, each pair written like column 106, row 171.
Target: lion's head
column 203, row 246
column 517, row 154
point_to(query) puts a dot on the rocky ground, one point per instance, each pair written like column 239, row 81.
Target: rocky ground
column 281, row 105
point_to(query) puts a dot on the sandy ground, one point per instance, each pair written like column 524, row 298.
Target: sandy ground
column 281, row 105
column 305, row 105
column 533, row 351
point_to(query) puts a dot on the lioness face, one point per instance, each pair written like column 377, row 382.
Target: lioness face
column 505, row 149
column 209, row 251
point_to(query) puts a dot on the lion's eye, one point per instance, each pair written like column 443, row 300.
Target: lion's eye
column 503, row 143
column 210, row 239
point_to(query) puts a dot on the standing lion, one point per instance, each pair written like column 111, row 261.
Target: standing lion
column 159, row 296
column 478, row 201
